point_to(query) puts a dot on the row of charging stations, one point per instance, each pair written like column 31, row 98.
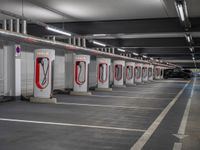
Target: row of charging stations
column 125, row 73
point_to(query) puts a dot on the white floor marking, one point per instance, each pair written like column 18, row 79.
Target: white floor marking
column 138, row 92
column 148, row 133
column 70, row 124
column 181, row 131
column 129, row 97
column 177, row 146
column 108, row 106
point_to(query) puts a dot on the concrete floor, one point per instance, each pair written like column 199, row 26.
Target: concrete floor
column 116, row 120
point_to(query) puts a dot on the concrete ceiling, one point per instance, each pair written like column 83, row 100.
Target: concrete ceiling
column 149, row 27
column 95, row 10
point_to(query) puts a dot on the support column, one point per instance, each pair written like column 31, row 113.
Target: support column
column 103, row 74
column 12, row 71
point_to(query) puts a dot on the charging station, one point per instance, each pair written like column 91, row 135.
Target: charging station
column 157, row 71
column 43, row 78
column 145, row 72
column 130, row 73
column 81, row 65
column 119, row 73
column 103, row 74
column 138, row 73
column 150, row 73
column 162, row 73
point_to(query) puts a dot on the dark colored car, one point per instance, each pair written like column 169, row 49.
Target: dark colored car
column 177, row 73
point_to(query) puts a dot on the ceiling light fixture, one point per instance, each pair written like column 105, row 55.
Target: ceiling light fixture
column 53, row 29
column 181, row 9
column 121, row 50
column 136, row 54
column 144, row 56
column 189, row 38
column 97, row 35
column 191, row 49
column 99, row 43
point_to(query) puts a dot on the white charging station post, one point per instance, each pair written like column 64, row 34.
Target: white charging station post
column 129, row 69
column 157, row 71
column 118, row 73
column 103, row 74
column 81, row 65
column 150, row 73
column 43, row 78
column 162, row 72
column 138, row 72
column 145, row 72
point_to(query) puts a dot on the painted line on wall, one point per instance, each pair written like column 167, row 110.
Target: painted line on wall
column 149, row 132
column 70, row 125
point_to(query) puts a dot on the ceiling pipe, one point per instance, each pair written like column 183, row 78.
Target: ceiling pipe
column 18, row 37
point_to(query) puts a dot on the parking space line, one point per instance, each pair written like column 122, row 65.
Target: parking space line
column 149, row 132
column 70, row 125
column 128, row 97
column 108, row 106
column 140, row 92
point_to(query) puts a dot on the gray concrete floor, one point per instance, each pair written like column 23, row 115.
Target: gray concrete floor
column 104, row 121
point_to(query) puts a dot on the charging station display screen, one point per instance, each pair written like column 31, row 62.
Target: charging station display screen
column 150, row 72
column 103, row 74
column 129, row 72
column 144, row 72
column 80, row 72
column 118, row 72
column 137, row 72
column 42, row 72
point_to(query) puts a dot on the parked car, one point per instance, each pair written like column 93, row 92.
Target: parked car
column 177, row 73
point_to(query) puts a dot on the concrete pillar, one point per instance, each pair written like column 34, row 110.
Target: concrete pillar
column 12, row 72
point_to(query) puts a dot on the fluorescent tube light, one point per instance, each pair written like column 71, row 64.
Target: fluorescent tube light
column 96, row 35
column 144, row 56
column 58, row 31
column 188, row 38
column 98, row 43
column 181, row 11
column 191, row 49
column 136, row 54
column 121, row 50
